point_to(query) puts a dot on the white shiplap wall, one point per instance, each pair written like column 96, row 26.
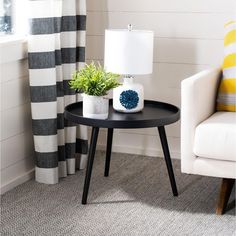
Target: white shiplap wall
column 188, row 39
column 17, row 163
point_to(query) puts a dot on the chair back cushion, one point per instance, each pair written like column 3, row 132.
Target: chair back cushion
column 226, row 99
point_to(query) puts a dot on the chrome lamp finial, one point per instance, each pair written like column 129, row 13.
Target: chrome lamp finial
column 130, row 27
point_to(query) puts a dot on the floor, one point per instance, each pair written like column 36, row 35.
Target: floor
column 135, row 199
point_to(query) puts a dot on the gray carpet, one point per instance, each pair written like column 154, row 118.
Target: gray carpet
column 135, row 200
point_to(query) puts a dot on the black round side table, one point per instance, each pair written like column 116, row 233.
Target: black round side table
column 154, row 114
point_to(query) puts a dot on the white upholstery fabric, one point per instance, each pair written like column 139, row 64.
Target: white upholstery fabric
column 198, row 95
column 214, row 168
column 195, row 91
column 215, row 137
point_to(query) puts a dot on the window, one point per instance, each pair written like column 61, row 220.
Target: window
column 5, row 16
column 13, row 17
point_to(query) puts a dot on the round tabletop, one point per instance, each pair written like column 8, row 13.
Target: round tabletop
column 154, row 114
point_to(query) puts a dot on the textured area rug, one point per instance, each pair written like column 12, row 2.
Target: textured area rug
column 136, row 199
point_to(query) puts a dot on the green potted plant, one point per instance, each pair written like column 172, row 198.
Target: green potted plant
column 94, row 82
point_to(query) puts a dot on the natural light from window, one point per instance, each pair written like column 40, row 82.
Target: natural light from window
column 13, row 17
column 5, row 16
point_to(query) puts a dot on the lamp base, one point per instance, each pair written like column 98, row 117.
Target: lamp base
column 129, row 97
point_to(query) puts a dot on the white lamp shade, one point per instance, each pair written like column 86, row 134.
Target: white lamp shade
column 128, row 52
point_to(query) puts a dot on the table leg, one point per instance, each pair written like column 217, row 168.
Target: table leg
column 166, row 152
column 108, row 152
column 91, row 154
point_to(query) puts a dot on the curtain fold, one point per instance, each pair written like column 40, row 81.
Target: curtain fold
column 56, row 47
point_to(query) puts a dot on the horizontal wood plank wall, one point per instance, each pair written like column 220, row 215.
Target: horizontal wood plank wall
column 188, row 39
column 17, row 162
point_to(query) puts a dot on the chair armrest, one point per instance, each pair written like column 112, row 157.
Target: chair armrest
column 198, row 96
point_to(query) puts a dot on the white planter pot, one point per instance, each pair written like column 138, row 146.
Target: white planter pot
column 95, row 107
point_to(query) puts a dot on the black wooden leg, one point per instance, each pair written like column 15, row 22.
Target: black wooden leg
column 166, row 152
column 91, row 154
column 108, row 153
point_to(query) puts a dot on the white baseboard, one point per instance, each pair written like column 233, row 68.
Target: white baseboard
column 139, row 151
column 17, row 181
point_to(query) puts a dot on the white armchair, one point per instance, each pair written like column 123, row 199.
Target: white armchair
column 208, row 138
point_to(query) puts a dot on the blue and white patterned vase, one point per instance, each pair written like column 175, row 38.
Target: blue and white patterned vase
column 128, row 97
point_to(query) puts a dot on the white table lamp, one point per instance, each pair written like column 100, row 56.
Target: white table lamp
column 128, row 52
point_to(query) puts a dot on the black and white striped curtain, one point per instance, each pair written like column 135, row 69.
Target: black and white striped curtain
column 56, row 47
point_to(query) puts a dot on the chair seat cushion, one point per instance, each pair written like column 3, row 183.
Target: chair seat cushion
column 215, row 138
